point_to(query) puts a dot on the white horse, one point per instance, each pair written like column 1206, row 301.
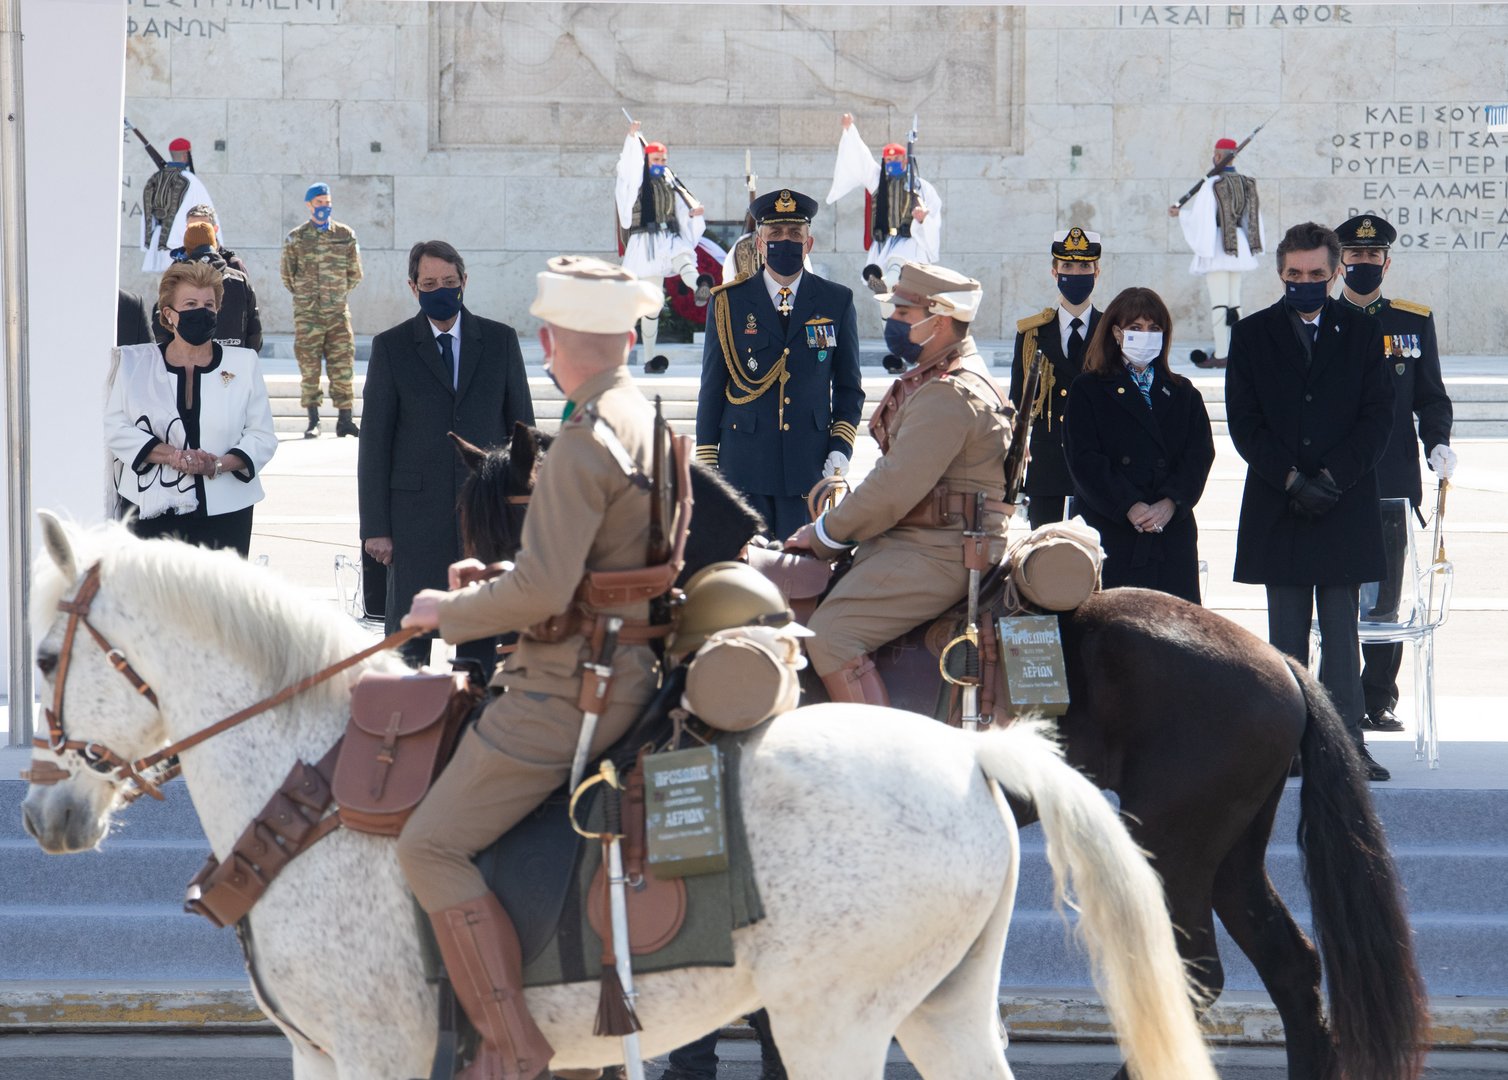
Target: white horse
column 885, row 852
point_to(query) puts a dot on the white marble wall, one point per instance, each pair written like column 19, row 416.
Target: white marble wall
column 496, row 126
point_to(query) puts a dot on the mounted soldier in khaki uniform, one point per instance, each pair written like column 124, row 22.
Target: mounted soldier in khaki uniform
column 943, row 428
column 590, row 514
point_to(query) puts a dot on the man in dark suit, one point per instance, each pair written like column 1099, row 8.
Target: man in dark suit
column 131, row 327
column 443, row 370
column 1412, row 360
column 1310, row 408
column 1061, row 331
column 781, row 395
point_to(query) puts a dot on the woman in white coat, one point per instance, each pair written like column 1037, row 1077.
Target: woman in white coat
column 188, row 423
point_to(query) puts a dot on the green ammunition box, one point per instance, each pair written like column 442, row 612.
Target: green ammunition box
column 1031, row 652
column 686, row 820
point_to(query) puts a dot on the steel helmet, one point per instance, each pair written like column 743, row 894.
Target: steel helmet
column 723, row 596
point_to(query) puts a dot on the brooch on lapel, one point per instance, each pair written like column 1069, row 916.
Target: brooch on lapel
column 226, row 376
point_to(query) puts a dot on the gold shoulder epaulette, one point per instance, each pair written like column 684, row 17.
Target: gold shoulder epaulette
column 740, row 279
column 1041, row 318
column 1409, row 306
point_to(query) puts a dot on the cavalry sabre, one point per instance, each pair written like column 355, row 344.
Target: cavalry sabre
column 596, row 683
column 616, row 1014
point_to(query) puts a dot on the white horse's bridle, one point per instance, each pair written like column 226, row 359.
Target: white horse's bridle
column 164, row 762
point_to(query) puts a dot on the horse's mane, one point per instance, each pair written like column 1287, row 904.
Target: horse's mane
column 215, row 596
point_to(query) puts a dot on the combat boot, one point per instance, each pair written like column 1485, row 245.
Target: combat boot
column 312, row 431
column 485, row 963
column 344, row 425
column 857, row 681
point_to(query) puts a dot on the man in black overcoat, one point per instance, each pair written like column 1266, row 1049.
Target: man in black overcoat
column 1062, row 332
column 444, row 370
column 1412, row 361
column 1310, row 408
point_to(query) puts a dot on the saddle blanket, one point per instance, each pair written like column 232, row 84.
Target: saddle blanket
column 542, row 871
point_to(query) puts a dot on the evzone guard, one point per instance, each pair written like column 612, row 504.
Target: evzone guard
column 659, row 225
column 902, row 212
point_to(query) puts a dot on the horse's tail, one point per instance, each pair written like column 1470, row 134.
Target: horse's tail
column 1123, row 917
column 1377, row 1001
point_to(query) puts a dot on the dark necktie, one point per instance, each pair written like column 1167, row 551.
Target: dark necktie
column 448, row 355
column 1076, row 342
column 1314, row 333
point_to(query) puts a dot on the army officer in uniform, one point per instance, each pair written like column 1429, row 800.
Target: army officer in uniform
column 781, row 395
column 1413, row 365
column 589, row 514
column 944, row 428
column 1062, row 332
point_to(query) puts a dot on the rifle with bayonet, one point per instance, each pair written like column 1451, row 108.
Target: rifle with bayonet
column 1218, row 167
column 157, row 159
column 1015, row 457
column 662, row 504
column 675, row 181
column 913, row 178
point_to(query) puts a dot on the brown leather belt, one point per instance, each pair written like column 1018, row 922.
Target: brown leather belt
column 943, row 508
column 576, row 620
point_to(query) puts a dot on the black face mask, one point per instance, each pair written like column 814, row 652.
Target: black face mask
column 1364, row 278
column 1075, row 288
column 784, row 256
column 196, row 325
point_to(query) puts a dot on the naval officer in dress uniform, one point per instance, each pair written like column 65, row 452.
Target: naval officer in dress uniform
column 1413, row 365
column 781, row 394
column 1061, row 331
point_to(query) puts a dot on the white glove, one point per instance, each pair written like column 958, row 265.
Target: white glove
column 1443, row 460
column 837, row 464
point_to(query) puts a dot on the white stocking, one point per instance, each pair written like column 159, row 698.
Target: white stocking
column 1225, row 294
column 651, row 328
column 685, row 265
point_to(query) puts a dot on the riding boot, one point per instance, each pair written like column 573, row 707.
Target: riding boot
column 485, row 963
column 857, row 681
column 312, row 431
column 345, row 426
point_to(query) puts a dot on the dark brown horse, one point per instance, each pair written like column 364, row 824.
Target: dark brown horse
column 1193, row 722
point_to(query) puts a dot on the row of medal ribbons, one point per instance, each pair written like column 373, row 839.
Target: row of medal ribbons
column 1401, row 345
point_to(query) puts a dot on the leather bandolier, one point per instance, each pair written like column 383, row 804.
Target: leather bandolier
column 941, row 507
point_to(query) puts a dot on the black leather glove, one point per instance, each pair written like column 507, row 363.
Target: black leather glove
column 1313, row 496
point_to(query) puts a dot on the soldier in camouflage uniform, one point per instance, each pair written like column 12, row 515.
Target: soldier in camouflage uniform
column 321, row 265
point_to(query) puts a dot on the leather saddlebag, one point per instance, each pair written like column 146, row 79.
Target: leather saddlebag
column 402, row 731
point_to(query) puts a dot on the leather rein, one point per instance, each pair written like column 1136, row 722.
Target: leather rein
column 104, row 760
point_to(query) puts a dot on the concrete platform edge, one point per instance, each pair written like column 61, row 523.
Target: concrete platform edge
column 1034, row 1015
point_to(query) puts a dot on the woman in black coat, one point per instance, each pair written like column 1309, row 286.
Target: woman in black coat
column 1139, row 448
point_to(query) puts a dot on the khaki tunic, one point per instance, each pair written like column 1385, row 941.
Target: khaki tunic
column 585, row 515
column 945, row 432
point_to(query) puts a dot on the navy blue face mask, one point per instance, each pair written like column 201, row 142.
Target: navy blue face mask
column 895, row 168
column 1075, row 288
column 657, row 170
column 1364, row 278
column 784, row 256
column 898, row 340
column 440, row 304
column 1305, row 296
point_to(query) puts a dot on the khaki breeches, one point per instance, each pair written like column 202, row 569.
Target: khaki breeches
column 890, row 588
column 519, row 752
